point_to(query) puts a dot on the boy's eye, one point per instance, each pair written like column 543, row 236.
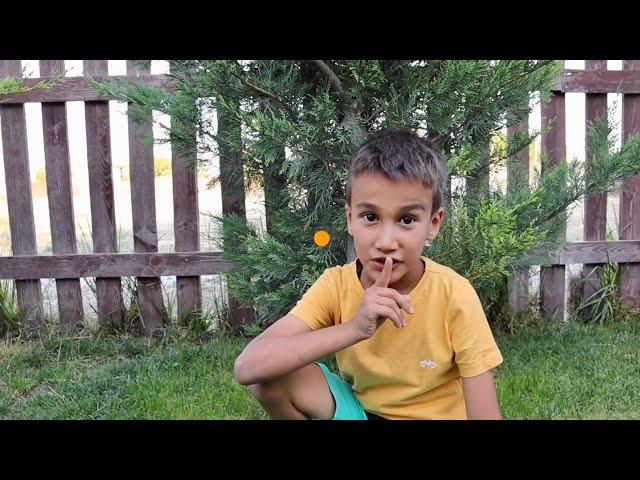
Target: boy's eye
column 369, row 217
column 410, row 222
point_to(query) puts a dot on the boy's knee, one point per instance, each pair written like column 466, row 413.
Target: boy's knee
column 267, row 392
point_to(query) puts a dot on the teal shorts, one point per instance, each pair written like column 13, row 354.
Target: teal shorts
column 347, row 405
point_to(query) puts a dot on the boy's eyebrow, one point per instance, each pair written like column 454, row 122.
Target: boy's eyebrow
column 411, row 206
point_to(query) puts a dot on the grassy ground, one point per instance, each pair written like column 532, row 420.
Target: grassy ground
column 582, row 371
column 122, row 379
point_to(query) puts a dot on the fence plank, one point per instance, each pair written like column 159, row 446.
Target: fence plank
column 143, row 204
column 61, row 218
column 518, row 177
column 595, row 207
column 186, row 229
column 553, row 146
column 211, row 263
column 75, row 89
column 630, row 199
column 620, row 251
column 109, row 295
column 233, row 197
column 17, row 178
column 602, row 81
column 107, row 265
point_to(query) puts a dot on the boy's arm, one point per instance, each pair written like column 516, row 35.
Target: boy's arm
column 480, row 397
column 290, row 344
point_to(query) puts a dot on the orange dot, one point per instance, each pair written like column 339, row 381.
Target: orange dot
column 321, row 238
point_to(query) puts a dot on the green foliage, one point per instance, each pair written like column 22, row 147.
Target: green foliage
column 600, row 306
column 293, row 267
column 303, row 119
column 11, row 85
column 9, row 314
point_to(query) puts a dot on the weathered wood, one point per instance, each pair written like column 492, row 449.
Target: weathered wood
column 552, row 279
column 186, row 229
column 518, row 177
column 211, row 263
column 61, row 218
column 630, row 199
column 518, row 285
column 233, row 196
column 552, row 286
column 143, row 204
column 21, row 224
column 108, row 265
column 108, row 292
column 595, row 207
column 70, row 89
column 600, row 252
column 595, row 252
column 599, row 81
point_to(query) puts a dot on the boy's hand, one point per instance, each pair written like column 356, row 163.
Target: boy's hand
column 379, row 303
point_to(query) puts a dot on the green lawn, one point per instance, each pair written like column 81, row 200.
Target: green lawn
column 581, row 372
column 122, row 379
column 576, row 372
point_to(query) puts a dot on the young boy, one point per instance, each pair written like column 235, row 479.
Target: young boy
column 410, row 335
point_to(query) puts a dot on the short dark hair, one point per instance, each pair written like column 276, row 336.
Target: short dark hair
column 397, row 153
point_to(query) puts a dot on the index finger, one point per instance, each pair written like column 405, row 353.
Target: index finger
column 385, row 274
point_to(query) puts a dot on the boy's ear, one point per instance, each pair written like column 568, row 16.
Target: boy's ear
column 436, row 223
column 347, row 212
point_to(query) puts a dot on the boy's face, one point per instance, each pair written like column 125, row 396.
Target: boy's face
column 391, row 218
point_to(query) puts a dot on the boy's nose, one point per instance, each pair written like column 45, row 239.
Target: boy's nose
column 386, row 240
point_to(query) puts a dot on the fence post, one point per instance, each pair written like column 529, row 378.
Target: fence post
column 233, row 195
column 595, row 207
column 61, row 217
column 143, row 214
column 518, row 177
column 630, row 199
column 18, row 182
column 552, row 279
column 186, row 228
column 108, row 292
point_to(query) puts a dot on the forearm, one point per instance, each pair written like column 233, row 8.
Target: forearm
column 480, row 397
column 266, row 359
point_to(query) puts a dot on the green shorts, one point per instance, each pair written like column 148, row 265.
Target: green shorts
column 347, row 405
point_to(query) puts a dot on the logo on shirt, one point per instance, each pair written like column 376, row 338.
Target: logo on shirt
column 428, row 364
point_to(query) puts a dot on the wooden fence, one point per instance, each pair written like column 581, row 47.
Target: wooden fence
column 106, row 265
column 595, row 81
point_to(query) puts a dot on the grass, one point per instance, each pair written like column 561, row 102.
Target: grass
column 90, row 378
column 575, row 372
column 582, row 371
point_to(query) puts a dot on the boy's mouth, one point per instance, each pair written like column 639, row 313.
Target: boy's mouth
column 379, row 262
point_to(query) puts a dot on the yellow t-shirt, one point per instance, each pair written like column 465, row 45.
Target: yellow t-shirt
column 413, row 372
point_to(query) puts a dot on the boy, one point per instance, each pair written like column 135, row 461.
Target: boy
column 410, row 336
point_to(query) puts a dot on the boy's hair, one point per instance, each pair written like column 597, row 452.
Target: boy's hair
column 395, row 153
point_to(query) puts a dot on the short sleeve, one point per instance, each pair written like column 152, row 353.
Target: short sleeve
column 318, row 306
column 474, row 347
